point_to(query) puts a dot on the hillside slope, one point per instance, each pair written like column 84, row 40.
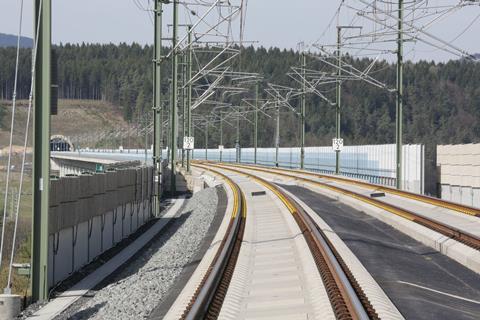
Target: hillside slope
column 75, row 117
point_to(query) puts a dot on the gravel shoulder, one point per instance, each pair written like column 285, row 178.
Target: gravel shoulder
column 135, row 290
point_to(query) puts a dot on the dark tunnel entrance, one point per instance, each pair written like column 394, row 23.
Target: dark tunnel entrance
column 60, row 144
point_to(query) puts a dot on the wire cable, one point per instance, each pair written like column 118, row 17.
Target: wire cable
column 27, row 125
column 9, row 161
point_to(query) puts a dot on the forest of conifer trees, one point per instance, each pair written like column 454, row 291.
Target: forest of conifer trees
column 442, row 100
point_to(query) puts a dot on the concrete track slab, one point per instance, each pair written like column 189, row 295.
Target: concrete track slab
column 421, row 282
column 275, row 276
column 466, row 223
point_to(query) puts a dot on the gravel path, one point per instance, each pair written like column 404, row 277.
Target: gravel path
column 139, row 287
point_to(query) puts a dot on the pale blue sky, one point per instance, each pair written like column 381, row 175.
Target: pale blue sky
column 270, row 22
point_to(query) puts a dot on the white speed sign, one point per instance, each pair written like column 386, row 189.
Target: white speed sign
column 188, row 143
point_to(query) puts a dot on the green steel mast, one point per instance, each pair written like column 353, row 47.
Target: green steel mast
column 255, row 134
column 157, row 105
column 339, row 99
column 399, row 104
column 174, row 102
column 41, row 152
column 302, row 116
column 189, row 92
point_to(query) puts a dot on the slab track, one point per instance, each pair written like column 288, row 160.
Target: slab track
column 274, row 262
column 423, row 283
column 462, row 227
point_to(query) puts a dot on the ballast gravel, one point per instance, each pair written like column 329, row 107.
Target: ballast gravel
column 140, row 286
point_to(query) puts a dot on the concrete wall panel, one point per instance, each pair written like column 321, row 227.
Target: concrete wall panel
column 446, row 192
column 456, row 194
column 82, row 206
column 466, row 195
column 95, row 241
column 118, row 226
column 81, row 245
column 64, row 255
column 107, row 240
column 476, row 197
column 51, row 260
column 127, row 222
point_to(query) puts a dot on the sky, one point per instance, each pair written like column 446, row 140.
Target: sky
column 277, row 23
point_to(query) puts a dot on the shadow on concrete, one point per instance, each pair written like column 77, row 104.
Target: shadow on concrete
column 89, row 312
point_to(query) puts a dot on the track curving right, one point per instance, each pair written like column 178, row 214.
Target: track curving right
column 346, row 297
column 442, row 228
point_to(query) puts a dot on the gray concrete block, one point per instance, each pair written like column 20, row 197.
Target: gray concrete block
column 446, row 192
column 111, row 180
column 54, row 192
column 95, row 241
column 66, row 215
column 87, row 209
column 10, row 306
column 111, row 200
column 476, row 197
column 51, row 238
column 53, row 219
column 72, row 188
column 127, row 222
column 64, row 254
column 99, row 205
column 138, row 175
column 122, row 178
column 60, row 190
column 81, row 246
column 467, row 196
column 456, row 194
column 86, row 184
column 118, row 225
column 107, row 238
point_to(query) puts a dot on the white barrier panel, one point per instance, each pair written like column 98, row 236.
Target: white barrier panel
column 374, row 163
column 459, row 168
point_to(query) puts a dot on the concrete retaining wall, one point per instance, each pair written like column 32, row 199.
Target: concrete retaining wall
column 91, row 213
column 459, row 173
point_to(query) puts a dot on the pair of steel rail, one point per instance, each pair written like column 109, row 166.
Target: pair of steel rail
column 442, row 228
column 346, row 296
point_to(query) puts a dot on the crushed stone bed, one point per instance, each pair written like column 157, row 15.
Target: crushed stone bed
column 140, row 286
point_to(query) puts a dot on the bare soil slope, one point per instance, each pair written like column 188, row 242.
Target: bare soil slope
column 75, row 117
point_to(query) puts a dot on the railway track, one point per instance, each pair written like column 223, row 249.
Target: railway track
column 460, row 235
column 346, row 297
column 456, row 207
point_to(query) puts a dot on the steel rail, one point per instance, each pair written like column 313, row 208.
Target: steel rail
column 449, row 231
column 346, row 296
column 405, row 194
column 457, row 207
column 208, row 298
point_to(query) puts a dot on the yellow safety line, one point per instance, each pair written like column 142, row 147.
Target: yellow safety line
column 232, row 187
column 285, row 201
